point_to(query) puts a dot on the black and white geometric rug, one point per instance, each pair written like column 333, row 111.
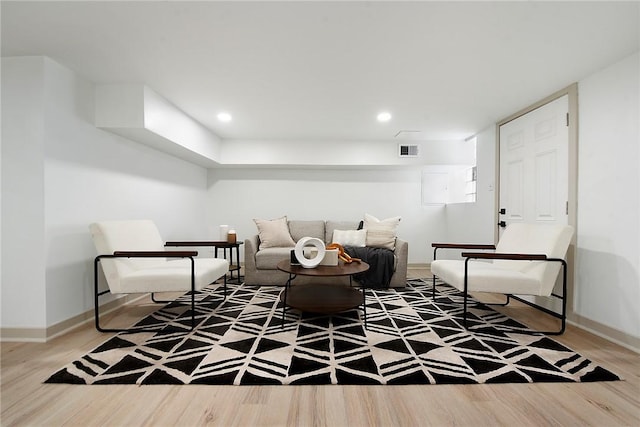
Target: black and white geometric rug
column 409, row 340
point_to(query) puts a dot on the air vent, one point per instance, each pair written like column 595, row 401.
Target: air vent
column 407, row 150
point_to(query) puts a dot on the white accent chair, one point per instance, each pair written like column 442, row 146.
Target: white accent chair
column 526, row 261
column 134, row 260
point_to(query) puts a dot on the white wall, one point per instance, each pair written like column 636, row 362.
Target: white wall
column 476, row 222
column 608, row 238
column 237, row 196
column 23, row 261
column 60, row 173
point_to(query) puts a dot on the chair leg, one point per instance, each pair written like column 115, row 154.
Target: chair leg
column 193, row 310
column 159, row 301
column 225, row 286
column 501, row 304
column 466, row 293
column 562, row 316
column 464, row 312
column 96, row 304
column 193, row 294
column 563, row 298
column 433, row 289
column 97, row 294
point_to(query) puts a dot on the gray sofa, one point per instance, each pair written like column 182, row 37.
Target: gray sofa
column 260, row 265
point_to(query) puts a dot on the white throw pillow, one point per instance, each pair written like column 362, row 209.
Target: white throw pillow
column 274, row 233
column 357, row 238
column 381, row 233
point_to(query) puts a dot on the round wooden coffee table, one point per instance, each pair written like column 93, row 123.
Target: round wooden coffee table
column 326, row 297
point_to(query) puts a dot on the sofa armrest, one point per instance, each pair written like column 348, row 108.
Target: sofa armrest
column 399, row 278
column 251, row 246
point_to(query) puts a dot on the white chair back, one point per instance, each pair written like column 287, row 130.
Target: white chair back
column 133, row 235
column 551, row 240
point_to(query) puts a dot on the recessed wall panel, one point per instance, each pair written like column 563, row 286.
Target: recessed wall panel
column 545, row 186
column 515, row 190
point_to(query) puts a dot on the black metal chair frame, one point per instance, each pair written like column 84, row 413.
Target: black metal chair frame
column 515, row 257
column 145, row 254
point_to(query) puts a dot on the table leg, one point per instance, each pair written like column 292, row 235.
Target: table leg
column 364, row 306
column 284, row 300
column 238, row 258
column 230, row 260
column 364, row 301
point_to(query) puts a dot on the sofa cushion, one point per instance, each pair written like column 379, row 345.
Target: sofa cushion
column 332, row 226
column 274, row 233
column 268, row 259
column 300, row 229
column 381, row 233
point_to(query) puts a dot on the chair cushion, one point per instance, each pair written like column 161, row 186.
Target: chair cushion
column 274, row 233
column 173, row 275
column 138, row 275
column 513, row 276
column 125, row 235
column 551, row 240
column 486, row 277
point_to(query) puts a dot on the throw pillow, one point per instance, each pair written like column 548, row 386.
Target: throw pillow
column 381, row 233
column 357, row 238
column 274, row 233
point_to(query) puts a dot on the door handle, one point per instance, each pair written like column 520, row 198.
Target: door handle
column 502, row 224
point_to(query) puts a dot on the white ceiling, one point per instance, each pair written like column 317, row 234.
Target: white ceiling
column 310, row 71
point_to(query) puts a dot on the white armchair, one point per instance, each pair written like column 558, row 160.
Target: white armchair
column 526, row 261
column 134, row 260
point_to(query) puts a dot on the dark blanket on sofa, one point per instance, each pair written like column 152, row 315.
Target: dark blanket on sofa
column 380, row 266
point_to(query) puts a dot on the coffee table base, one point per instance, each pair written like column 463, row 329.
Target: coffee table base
column 325, row 299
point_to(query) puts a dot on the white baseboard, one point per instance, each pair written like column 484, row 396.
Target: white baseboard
column 23, row 335
column 61, row 328
column 418, row 266
column 603, row 331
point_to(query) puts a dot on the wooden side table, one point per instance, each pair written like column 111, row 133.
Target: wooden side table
column 234, row 264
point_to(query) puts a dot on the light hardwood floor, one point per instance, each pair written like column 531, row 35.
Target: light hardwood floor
column 25, row 401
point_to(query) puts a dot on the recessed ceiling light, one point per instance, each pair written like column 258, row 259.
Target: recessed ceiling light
column 224, row 117
column 384, row 116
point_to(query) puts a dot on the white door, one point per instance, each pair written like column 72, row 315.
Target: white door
column 534, row 172
column 534, row 166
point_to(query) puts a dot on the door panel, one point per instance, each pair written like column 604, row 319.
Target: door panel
column 545, row 187
column 514, row 191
